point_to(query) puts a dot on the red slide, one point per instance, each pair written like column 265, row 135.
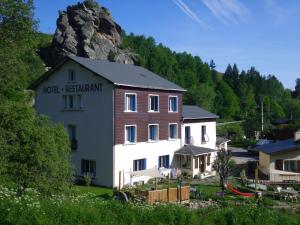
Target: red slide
column 239, row 193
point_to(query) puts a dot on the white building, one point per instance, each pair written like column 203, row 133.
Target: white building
column 124, row 121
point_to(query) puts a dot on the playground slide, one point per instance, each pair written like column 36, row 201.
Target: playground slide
column 239, row 193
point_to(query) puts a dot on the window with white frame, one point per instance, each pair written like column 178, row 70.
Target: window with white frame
column 290, row 165
column 130, row 102
column 204, row 136
column 153, row 132
column 71, row 75
column 173, row 104
column 173, row 128
column 72, row 102
column 139, row 164
column 88, row 167
column 153, row 103
column 130, row 134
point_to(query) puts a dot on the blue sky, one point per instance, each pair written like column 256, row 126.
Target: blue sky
column 260, row 33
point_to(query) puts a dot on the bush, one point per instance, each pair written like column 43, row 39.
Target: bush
column 87, row 180
column 33, row 151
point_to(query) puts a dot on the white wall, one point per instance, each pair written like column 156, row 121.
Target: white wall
column 196, row 134
column 125, row 154
column 288, row 155
column 196, row 137
column 94, row 122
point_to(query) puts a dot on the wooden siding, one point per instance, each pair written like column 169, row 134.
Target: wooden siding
column 142, row 117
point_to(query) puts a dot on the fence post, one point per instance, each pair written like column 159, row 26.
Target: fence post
column 168, row 193
column 120, row 176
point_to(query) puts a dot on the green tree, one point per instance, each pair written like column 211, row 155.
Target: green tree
column 296, row 93
column 212, row 64
column 226, row 103
column 34, row 152
column 221, row 165
column 19, row 63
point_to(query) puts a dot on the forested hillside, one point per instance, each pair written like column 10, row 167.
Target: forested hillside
column 233, row 95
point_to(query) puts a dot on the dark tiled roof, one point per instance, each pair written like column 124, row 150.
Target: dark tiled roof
column 121, row 74
column 221, row 140
column 194, row 150
column 195, row 112
column 282, row 121
column 279, row 146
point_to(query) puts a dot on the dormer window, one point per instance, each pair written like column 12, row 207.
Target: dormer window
column 71, row 75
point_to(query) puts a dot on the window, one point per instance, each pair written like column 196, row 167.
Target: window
column 187, row 131
column 279, row 164
column 130, row 102
column 196, row 162
column 88, row 167
column 208, row 159
column 173, row 131
column 173, row 104
column 72, row 136
column 130, row 134
column 204, row 136
column 72, row 102
column 72, row 132
column 153, row 103
column 71, row 75
column 153, row 132
column 290, row 165
column 164, row 161
column 139, row 164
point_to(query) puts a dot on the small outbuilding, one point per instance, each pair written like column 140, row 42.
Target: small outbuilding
column 281, row 160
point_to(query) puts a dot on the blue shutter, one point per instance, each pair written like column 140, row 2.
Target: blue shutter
column 152, row 132
column 133, row 103
column 144, row 164
column 155, row 103
column 167, row 161
column 132, row 134
column 134, row 165
column 159, row 162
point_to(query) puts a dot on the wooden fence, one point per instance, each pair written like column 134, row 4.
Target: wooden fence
column 169, row 195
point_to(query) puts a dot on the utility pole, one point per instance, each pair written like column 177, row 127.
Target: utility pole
column 262, row 115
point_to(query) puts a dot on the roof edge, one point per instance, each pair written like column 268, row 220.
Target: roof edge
column 148, row 87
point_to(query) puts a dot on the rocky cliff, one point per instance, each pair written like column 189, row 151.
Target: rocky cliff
column 89, row 31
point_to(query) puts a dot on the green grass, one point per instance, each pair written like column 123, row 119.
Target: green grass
column 87, row 208
column 98, row 191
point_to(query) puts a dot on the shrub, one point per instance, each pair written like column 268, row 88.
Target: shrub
column 33, row 151
column 87, row 180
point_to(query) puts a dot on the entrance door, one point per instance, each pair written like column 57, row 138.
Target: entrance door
column 203, row 163
column 187, row 132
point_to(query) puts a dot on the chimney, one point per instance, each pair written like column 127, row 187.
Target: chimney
column 297, row 136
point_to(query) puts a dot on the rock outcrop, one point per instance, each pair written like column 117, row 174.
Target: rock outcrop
column 87, row 31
